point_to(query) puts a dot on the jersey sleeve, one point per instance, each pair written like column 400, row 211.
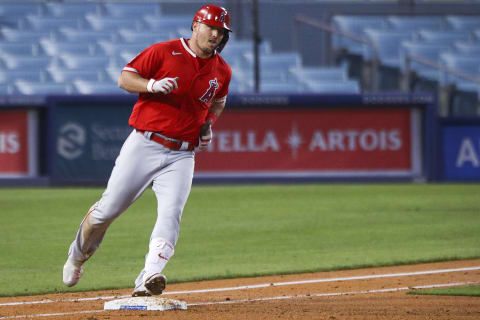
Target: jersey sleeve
column 221, row 95
column 146, row 62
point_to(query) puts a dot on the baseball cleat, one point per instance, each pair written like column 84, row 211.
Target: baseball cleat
column 140, row 291
column 155, row 284
column 72, row 272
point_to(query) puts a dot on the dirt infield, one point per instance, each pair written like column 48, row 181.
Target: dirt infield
column 377, row 293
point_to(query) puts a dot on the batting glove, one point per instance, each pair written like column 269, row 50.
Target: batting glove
column 165, row 85
column 206, row 136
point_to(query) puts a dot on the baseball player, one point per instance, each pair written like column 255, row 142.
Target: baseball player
column 182, row 87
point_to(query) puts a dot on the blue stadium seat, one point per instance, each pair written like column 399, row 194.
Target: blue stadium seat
column 27, row 62
column 72, row 9
column 413, row 23
column 355, row 25
column 25, row 36
column 102, row 23
column 114, row 48
column 427, row 51
column 320, row 74
column 51, row 23
column 132, row 10
column 386, row 46
column 235, row 51
column 469, row 65
column 62, row 75
column 76, row 62
column 91, row 87
column 276, row 87
column 5, row 89
column 10, row 76
column 54, row 48
column 19, row 48
column 467, row 47
column 12, row 11
column 84, row 36
column 275, row 61
column 463, row 23
column 132, row 36
column 348, row 86
column 440, row 36
column 172, row 25
column 32, row 88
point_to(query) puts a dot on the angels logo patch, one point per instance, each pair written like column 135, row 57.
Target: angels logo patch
column 210, row 93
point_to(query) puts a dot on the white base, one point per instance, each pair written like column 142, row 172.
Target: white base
column 145, row 303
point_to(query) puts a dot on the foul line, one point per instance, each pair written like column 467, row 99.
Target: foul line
column 257, row 286
column 453, row 284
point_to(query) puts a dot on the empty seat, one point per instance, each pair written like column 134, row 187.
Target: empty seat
column 72, row 9
column 133, row 36
column 85, row 62
column 51, row 23
column 54, row 48
column 467, row 48
column 276, row 87
column 26, row 36
column 276, row 61
column 11, row 11
column 18, row 48
column 5, row 89
column 313, row 74
column 91, row 87
column 348, row 86
column 133, row 10
column 386, row 45
column 113, row 48
column 10, row 76
column 426, row 51
column 172, row 25
column 443, row 36
column 27, row 62
column 463, row 23
column 102, row 23
column 468, row 65
column 84, row 36
column 61, row 75
column 414, row 23
column 31, row 88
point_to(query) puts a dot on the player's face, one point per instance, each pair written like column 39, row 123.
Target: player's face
column 207, row 37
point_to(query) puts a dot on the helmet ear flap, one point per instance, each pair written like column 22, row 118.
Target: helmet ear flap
column 224, row 41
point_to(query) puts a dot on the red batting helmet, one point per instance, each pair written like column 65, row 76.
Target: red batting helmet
column 213, row 15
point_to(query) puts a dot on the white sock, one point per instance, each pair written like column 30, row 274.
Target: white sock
column 160, row 251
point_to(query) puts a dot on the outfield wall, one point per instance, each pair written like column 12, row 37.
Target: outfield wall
column 61, row 140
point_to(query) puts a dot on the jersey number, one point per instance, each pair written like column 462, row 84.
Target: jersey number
column 210, row 93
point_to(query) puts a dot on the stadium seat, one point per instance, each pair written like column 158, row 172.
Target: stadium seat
column 113, row 48
column 84, row 62
column 19, row 48
column 84, row 36
column 109, row 24
column 51, row 23
column 61, row 75
column 10, row 76
column 386, row 45
column 468, row 65
column 24, row 36
column 276, row 87
column 54, row 48
column 132, row 36
column 275, row 61
column 321, row 74
column 131, row 9
column 440, row 36
column 30, row 88
column 72, row 10
column 96, row 87
column 413, row 23
column 426, row 51
column 13, row 62
column 12, row 11
column 348, row 86
column 463, row 23
column 467, row 48
column 5, row 89
column 172, row 25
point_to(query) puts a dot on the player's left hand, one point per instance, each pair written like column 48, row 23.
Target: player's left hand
column 206, row 135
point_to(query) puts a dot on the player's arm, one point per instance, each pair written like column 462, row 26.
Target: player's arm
column 135, row 83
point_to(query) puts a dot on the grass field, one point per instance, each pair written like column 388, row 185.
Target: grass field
column 471, row 291
column 230, row 231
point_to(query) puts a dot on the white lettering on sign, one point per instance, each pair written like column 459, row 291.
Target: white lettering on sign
column 9, row 142
column 467, row 154
column 353, row 140
column 251, row 141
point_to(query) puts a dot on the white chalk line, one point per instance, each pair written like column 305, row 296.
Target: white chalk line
column 257, row 286
column 303, row 296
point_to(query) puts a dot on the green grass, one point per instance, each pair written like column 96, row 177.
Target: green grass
column 230, row 231
column 471, row 291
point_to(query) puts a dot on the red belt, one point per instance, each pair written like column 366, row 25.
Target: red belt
column 166, row 142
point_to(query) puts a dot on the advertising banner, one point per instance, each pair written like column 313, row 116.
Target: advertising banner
column 461, row 152
column 322, row 142
column 18, row 155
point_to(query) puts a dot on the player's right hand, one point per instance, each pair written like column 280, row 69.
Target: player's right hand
column 206, row 136
column 165, row 85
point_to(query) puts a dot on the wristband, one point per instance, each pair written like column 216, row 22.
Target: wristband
column 150, row 85
column 211, row 116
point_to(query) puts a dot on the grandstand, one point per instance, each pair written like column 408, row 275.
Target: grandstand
column 77, row 47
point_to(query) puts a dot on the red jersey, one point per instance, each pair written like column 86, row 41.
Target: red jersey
column 180, row 113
